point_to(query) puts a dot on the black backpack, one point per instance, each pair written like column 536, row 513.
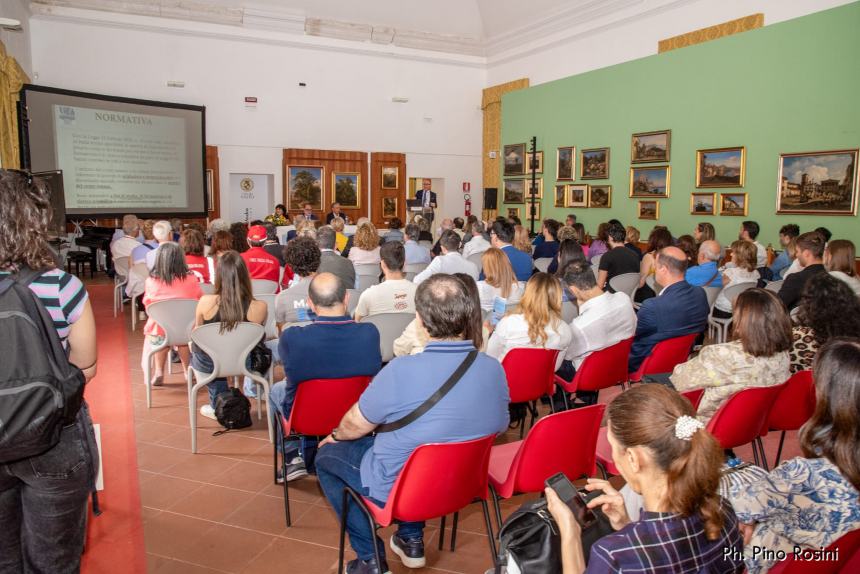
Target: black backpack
column 40, row 391
column 233, row 410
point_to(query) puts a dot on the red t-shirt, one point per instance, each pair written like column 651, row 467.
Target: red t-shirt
column 199, row 265
column 261, row 265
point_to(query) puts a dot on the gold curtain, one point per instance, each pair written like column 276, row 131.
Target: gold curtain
column 12, row 77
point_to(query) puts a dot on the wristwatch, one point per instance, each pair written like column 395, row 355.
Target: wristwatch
column 334, row 434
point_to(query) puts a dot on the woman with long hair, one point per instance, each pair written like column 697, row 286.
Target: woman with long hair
column 657, row 240
column 169, row 279
column 232, row 303
column 688, row 245
column 810, row 501
column 839, row 260
column 704, row 231
column 521, row 239
column 757, row 355
column 666, row 456
column 568, row 251
column 499, row 287
column 600, row 245
column 365, row 249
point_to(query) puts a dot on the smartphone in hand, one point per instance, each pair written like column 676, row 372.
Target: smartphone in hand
column 574, row 499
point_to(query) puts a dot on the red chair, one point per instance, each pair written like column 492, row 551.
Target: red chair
column 843, row 557
column 665, row 356
column 531, row 375
column 740, row 420
column 436, row 480
column 792, row 408
column 604, row 449
column 600, row 370
column 318, row 407
column 561, row 442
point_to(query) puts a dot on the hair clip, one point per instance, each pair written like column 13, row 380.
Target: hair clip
column 686, row 426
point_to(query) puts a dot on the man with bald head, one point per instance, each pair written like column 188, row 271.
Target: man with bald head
column 679, row 309
column 307, row 353
column 706, row 273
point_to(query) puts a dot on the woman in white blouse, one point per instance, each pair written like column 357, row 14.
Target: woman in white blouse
column 366, row 247
column 537, row 324
column 744, row 255
column 499, row 281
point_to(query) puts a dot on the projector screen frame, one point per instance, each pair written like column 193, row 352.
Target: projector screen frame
column 24, row 142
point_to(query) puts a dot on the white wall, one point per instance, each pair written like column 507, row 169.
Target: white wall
column 17, row 43
column 345, row 106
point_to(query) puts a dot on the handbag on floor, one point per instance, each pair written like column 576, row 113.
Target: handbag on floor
column 233, row 410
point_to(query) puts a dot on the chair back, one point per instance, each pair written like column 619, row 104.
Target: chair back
column 694, row 396
column 604, row 368
column 569, row 311
column 140, row 272
column 353, row 301
column 843, row 557
column 561, row 442
column 651, row 281
column 477, row 261
column 731, row 293
column 665, row 355
column 271, row 327
column 596, row 270
column 320, row 404
column 390, row 327
column 176, row 317
column 774, row 286
column 207, row 288
column 595, row 261
column 530, row 373
column 262, row 286
column 121, row 266
column 542, row 263
column 414, row 269
column 228, row 350
column 426, row 244
column 366, row 275
column 712, row 293
column 626, row 283
column 440, row 479
column 794, row 405
column 740, row 420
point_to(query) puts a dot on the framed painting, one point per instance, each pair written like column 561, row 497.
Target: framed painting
column 515, row 191
column 577, row 195
column 650, row 147
column 390, row 177
column 535, row 158
column 538, row 188
column 703, row 203
column 560, row 194
column 537, row 216
column 649, row 209
column 564, row 168
column 818, row 183
column 600, row 196
column 305, row 183
column 514, row 212
column 724, row 167
column 514, row 157
column 649, row 181
column 347, row 188
column 594, row 163
column 389, row 207
column 733, row 204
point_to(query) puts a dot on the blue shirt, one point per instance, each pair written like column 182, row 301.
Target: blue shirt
column 546, row 249
column 701, row 274
column 416, row 253
column 138, row 254
column 520, row 261
column 780, row 264
column 477, row 406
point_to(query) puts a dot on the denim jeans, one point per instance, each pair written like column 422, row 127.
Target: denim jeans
column 203, row 363
column 281, row 397
column 43, row 504
column 338, row 466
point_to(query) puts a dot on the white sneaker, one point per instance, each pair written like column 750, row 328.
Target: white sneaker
column 208, row 412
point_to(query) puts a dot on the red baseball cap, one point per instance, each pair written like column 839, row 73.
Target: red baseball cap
column 257, row 233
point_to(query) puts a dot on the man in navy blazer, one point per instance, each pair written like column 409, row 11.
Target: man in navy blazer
column 501, row 235
column 679, row 309
column 427, row 200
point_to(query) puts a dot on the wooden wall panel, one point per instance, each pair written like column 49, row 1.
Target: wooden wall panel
column 331, row 161
column 378, row 160
column 212, row 163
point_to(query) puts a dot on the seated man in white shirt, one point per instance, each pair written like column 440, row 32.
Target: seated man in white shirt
column 477, row 244
column 604, row 319
column 749, row 232
column 394, row 295
column 163, row 233
column 127, row 242
column 450, row 261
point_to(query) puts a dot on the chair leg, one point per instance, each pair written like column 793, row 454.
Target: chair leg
column 454, row 531
column 755, row 453
column 602, row 470
column 147, row 375
column 442, row 532
column 497, row 507
column 192, row 414
column 490, row 537
column 344, row 508
column 286, row 482
column 566, row 402
column 763, row 454
column 779, row 449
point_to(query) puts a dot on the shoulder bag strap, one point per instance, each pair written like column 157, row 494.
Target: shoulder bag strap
column 711, row 280
column 433, row 399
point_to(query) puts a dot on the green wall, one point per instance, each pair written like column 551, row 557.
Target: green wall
column 789, row 87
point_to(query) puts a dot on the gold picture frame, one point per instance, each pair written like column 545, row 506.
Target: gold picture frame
column 565, row 163
column 389, row 207
column 651, row 147
column 594, row 163
column 703, row 203
column 560, row 195
column 537, row 216
column 649, row 209
column 599, row 196
column 721, row 167
column 528, row 188
column 304, row 183
column 650, row 181
column 529, row 159
column 834, row 195
column 348, row 193
column 390, row 177
column 577, row 195
column 514, row 191
column 514, row 212
column 514, row 159
column 729, row 204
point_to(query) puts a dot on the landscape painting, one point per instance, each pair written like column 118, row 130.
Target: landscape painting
column 723, row 167
column 649, row 181
column 594, row 163
column 649, row 210
column 733, row 204
column 650, row 147
column 564, row 163
column 347, row 189
column 514, row 212
column 703, row 203
column 559, row 197
column 818, row 183
column 536, row 159
column 389, row 207
column 515, row 191
column 600, row 196
column 577, row 196
column 305, row 184
column 390, row 177
column 514, row 156
column 538, row 187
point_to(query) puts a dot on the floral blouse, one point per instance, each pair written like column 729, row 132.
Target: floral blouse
column 724, row 369
column 804, row 501
column 803, row 349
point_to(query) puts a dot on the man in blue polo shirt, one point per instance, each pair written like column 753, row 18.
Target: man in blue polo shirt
column 501, row 235
column 303, row 351
column 477, row 406
column 706, row 273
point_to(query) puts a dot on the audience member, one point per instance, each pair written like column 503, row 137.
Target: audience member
column 335, row 212
column 500, row 287
column 581, row 237
column 330, row 261
column 163, row 233
column 261, row 264
column 825, row 233
column 306, row 228
column 467, row 230
column 176, row 225
column 665, row 456
column 458, row 227
column 839, row 260
column 690, row 247
column 445, row 225
column 476, row 407
column 618, row 260
column 810, row 249
column 232, row 303
column 599, row 246
column 570, row 219
column 127, row 220
column 566, row 232
column 757, row 355
column 169, row 279
column 415, row 254
column 681, row 309
column 501, row 236
column 239, row 231
column 127, row 243
column 341, row 240
column 191, row 242
column 706, row 273
column 631, row 241
column 308, row 212
column 394, row 295
column 138, row 254
column 704, row 231
column 217, row 225
column 548, row 248
column 749, row 232
column 568, row 250
column 659, row 239
column 809, row 502
column 298, row 221
column 291, row 304
column 828, row 308
column 424, row 229
column 787, row 232
column 476, row 242
column 272, row 245
column 743, row 270
column 450, row 261
column 365, row 249
column 356, row 345
column 222, row 241
column 394, row 233
column 521, row 240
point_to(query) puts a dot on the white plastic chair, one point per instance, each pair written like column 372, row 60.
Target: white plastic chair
column 774, row 286
column 542, row 264
column 718, row 329
column 176, row 318
column 353, row 301
column 121, row 268
column 569, row 311
column 139, row 273
column 207, row 288
column 390, row 327
column 595, row 262
column 476, row 259
column 651, row 282
column 261, row 286
column 626, row 283
column 596, row 270
column 228, row 352
column 425, row 243
column 712, row 293
column 366, row 275
column 414, row 269
column 271, row 327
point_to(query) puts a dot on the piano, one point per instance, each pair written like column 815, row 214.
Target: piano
column 96, row 238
